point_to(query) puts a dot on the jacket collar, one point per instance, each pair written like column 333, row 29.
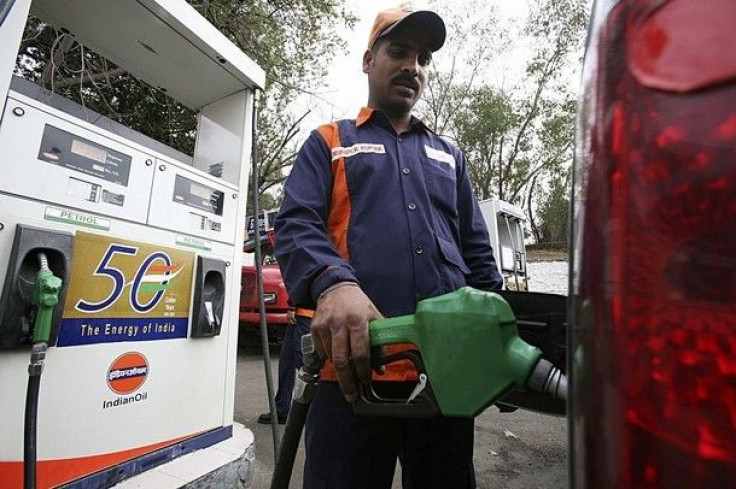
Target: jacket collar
column 368, row 113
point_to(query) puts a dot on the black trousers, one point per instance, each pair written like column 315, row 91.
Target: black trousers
column 345, row 451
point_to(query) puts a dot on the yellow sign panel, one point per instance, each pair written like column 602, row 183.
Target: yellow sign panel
column 122, row 290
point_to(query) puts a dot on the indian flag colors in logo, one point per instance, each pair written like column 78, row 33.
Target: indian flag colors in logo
column 158, row 277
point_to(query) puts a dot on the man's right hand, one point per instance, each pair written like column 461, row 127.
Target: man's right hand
column 340, row 333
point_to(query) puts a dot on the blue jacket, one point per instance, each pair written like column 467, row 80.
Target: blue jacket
column 396, row 214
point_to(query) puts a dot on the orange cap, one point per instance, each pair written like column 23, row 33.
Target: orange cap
column 404, row 15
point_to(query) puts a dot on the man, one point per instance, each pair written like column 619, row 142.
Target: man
column 379, row 214
column 290, row 360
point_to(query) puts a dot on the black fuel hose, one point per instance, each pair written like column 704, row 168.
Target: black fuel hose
column 38, row 354
column 29, row 433
column 289, row 445
column 305, row 389
column 259, row 279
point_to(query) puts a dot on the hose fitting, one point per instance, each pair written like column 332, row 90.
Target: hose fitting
column 38, row 355
column 548, row 379
column 307, row 377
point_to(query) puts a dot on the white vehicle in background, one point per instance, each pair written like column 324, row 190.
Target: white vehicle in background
column 505, row 224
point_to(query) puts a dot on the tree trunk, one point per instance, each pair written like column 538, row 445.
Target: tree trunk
column 532, row 223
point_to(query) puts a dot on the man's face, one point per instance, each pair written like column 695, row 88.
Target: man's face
column 397, row 72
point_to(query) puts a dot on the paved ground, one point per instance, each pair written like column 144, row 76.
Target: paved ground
column 520, row 450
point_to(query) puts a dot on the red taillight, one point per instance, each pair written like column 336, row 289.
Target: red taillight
column 654, row 341
column 685, row 44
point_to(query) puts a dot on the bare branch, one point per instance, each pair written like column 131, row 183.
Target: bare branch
column 89, row 79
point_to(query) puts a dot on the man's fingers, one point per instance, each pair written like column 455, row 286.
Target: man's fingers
column 341, row 325
column 345, row 377
column 341, row 361
column 360, row 351
column 319, row 346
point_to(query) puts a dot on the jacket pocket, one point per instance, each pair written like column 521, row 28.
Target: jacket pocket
column 451, row 253
column 441, row 187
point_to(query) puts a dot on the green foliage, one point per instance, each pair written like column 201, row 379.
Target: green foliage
column 57, row 62
column 482, row 128
column 513, row 135
column 292, row 40
column 554, row 212
column 465, row 60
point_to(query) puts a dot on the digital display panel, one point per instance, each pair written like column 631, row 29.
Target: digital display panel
column 88, row 151
column 62, row 148
column 200, row 190
column 198, row 196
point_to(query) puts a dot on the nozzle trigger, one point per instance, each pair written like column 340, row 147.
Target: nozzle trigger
column 421, row 385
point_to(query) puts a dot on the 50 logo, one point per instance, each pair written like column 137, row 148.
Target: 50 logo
column 149, row 283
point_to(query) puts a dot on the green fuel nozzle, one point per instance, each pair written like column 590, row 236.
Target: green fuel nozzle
column 471, row 352
column 45, row 296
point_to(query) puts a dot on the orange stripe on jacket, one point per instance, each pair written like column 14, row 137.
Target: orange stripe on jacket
column 339, row 215
column 401, row 371
column 337, row 228
column 307, row 313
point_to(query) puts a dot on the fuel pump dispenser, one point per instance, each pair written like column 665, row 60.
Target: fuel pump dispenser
column 141, row 247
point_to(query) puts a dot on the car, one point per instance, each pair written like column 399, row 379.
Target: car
column 653, row 289
column 278, row 312
column 275, row 300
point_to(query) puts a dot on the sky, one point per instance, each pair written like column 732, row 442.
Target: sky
column 346, row 88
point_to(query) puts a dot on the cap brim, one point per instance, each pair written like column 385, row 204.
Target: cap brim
column 426, row 21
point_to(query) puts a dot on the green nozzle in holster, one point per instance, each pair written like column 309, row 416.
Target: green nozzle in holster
column 45, row 296
column 469, row 345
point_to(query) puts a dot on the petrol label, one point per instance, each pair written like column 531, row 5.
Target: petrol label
column 76, row 218
column 123, row 290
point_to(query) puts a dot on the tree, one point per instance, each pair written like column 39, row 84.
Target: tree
column 515, row 135
column 554, row 213
column 467, row 55
column 292, row 41
column 482, row 128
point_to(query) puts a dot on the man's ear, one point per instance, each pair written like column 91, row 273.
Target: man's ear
column 367, row 60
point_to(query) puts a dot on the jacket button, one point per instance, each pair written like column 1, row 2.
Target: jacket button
column 412, row 206
column 405, row 171
column 419, row 250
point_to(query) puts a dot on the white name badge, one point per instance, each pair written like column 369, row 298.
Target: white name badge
column 346, row 152
column 439, row 155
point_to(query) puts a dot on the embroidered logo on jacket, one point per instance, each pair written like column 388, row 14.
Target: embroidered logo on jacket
column 341, row 152
column 440, row 155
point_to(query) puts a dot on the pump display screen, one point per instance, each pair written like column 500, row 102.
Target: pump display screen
column 87, row 150
column 198, row 196
column 65, row 149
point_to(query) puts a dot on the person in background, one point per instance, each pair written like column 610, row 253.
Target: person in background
column 378, row 214
column 290, row 360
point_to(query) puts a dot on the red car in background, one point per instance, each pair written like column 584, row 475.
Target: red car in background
column 275, row 298
column 275, row 301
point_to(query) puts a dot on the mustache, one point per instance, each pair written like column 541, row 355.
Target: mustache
column 406, row 79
